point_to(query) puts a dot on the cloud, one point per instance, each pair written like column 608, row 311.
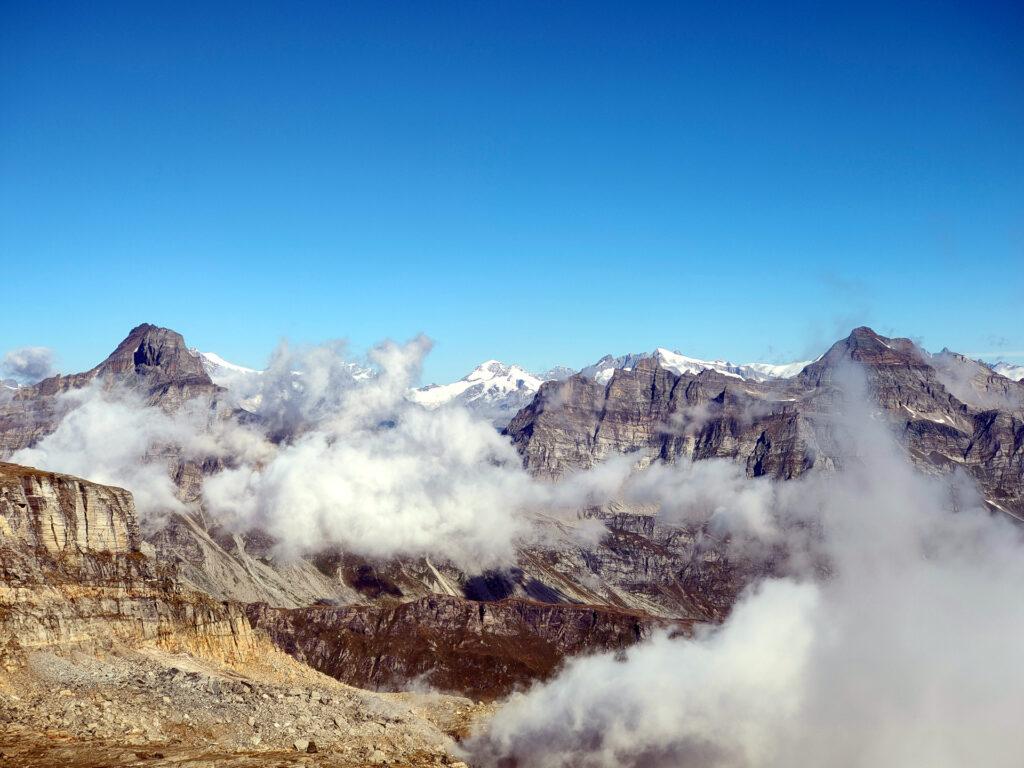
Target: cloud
column 332, row 455
column 426, row 483
column 111, row 436
column 894, row 640
column 716, row 492
column 27, row 365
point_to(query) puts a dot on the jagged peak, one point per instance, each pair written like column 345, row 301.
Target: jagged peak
column 155, row 353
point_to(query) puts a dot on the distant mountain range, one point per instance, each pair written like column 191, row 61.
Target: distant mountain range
column 497, row 390
column 1015, row 372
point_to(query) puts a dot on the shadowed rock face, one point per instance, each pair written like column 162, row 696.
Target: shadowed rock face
column 483, row 650
column 149, row 358
column 784, row 428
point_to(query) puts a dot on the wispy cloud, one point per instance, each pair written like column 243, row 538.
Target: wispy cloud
column 1002, row 354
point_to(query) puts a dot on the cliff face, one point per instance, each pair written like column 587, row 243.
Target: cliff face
column 783, row 428
column 656, row 414
column 484, row 650
column 73, row 574
column 64, row 516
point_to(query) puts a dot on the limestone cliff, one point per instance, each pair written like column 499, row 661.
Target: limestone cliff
column 483, row 650
column 73, row 574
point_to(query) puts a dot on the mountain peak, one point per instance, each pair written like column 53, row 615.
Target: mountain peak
column 156, row 354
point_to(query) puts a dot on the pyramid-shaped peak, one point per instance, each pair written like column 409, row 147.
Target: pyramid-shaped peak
column 158, row 354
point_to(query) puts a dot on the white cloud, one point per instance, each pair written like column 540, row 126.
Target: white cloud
column 27, row 365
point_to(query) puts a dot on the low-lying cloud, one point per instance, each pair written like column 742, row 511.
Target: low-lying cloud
column 895, row 641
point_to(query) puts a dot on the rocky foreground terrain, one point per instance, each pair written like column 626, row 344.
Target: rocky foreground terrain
column 109, row 660
column 192, row 642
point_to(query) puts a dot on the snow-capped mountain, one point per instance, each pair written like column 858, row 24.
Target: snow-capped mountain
column 222, row 372
column 1010, row 371
column 678, row 363
column 493, row 389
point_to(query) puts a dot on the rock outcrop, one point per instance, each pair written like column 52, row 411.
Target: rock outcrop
column 483, row 650
column 73, row 574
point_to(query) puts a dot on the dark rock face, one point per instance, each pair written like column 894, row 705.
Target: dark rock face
column 784, row 428
column 656, row 414
column 153, row 361
column 483, row 650
column 149, row 357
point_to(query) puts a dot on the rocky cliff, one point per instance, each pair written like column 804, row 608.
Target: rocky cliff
column 483, row 650
column 784, row 428
column 73, row 574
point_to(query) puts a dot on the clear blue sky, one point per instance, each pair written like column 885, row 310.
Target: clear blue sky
column 542, row 183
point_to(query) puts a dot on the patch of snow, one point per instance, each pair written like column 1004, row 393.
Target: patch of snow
column 678, row 363
column 211, row 360
column 493, row 389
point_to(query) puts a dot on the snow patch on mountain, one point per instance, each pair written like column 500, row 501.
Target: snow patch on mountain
column 222, row 372
column 493, row 389
column 678, row 363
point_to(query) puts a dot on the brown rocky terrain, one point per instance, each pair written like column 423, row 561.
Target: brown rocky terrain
column 108, row 660
column 481, row 649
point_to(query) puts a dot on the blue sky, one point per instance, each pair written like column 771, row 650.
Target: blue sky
column 542, row 183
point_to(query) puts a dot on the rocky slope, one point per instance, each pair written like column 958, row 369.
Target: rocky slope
column 483, row 650
column 105, row 650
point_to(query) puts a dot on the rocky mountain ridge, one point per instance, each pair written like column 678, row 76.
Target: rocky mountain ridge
column 678, row 363
column 781, row 428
